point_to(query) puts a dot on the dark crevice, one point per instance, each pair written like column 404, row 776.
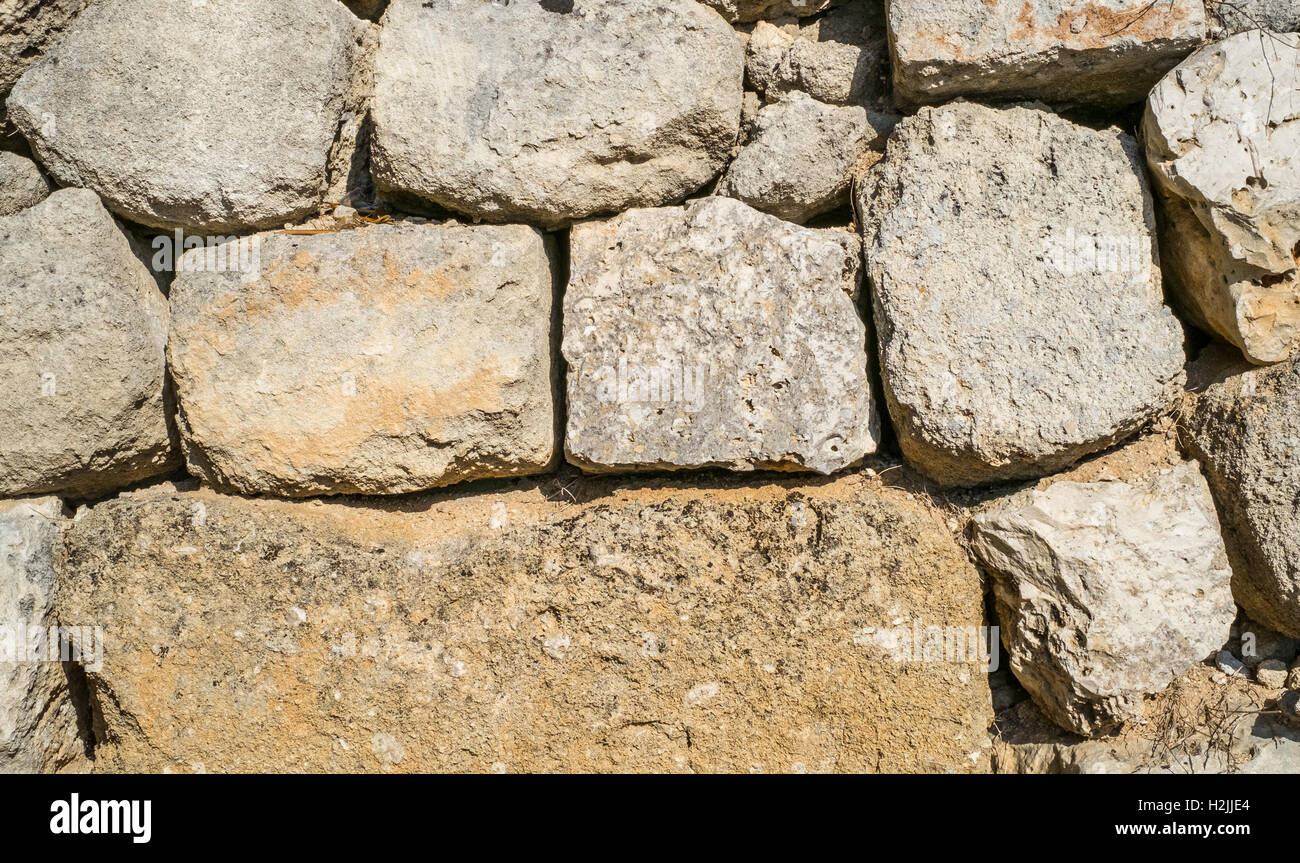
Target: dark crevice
column 79, row 695
column 558, row 249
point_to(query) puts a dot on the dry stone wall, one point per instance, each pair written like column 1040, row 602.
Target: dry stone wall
column 617, row 385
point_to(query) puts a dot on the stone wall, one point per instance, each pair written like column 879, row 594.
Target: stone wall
column 617, row 385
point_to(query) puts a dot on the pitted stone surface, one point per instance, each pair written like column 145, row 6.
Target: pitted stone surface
column 382, row 360
column 1106, row 52
column 1018, row 306
column 546, row 113
column 715, row 335
column 1222, row 135
column 214, row 116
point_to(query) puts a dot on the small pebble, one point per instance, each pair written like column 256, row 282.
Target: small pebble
column 1289, row 706
column 1271, row 673
column 1230, row 665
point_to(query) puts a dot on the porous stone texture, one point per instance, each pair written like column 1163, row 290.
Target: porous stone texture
column 21, row 183
column 705, row 630
column 83, row 328
column 1245, row 429
column 715, row 335
column 222, row 114
column 1271, row 673
column 752, row 10
column 804, row 156
column 382, row 360
column 38, row 721
column 548, row 112
column 839, row 58
column 1017, row 301
column 1102, row 52
column 1228, row 17
column 1222, row 132
column 27, row 29
column 1107, row 591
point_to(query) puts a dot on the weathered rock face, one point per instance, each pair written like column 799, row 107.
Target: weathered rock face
column 704, row 630
column 715, row 335
column 82, row 372
column 1246, row 430
column 349, row 181
column 1107, row 591
column 38, row 722
column 1017, row 300
column 22, row 184
column 27, row 29
column 548, row 112
column 804, row 156
column 1222, row 134
column 1107, row 52
column 1237, row 16
column 752, row 10
column 222, row 114
column 383, row 360
column 839, row 58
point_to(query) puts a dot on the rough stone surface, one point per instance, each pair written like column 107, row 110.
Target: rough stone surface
column 1288, row 706
column 1222, row 132
column 349, row 180
column 804, row 156
column 528, row 112
column 1245, row 429
column 1229, row 664
column 1106, row 52
column 752, row 10
column 222, row 114
column 38, row 722
column 839, row 58
column 1236, row 16
column 383, row 360
column 711, row 630
column 1019, row 310
column 83, row 328
column 1271, row 673
column 27, row 29
column 1107, row 591
column 22, row 184
column 1196, row 726
column 715, row 335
